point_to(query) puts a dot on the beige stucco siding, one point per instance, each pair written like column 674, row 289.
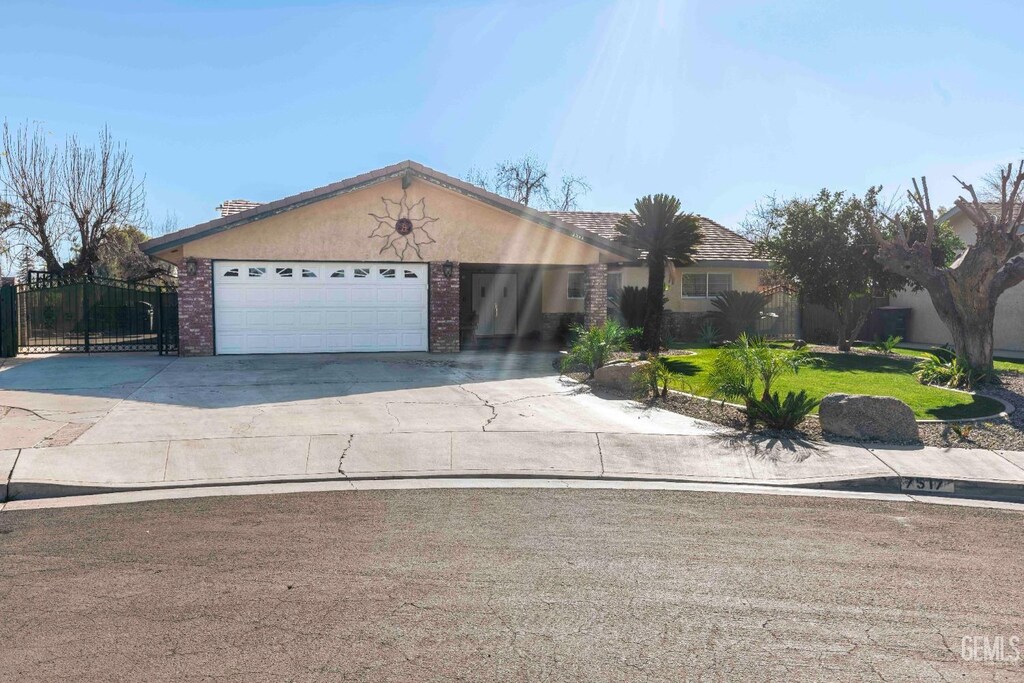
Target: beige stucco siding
column 927, row 328
column 338, row 229
column 556, row 286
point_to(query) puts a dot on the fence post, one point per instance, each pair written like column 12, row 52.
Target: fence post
column 160, row 322
column 85, row 311
column 8, row 321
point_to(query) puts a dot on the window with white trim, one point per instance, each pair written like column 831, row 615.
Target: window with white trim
column 576, row 285
column 705, row 285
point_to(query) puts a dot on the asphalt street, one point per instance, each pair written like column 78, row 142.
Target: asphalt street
column 509, row 585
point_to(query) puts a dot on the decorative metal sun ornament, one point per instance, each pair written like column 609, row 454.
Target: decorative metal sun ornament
column 403, row 227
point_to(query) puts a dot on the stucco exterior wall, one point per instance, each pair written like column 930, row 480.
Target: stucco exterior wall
column 556, row 299
column 927, row 328
column 337, row 229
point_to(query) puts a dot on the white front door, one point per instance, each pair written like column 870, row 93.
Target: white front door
column 310, row 307
column 496, row 303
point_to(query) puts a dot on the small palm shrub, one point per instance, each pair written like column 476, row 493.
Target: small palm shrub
column 747, row 368
column 592, row 347
column 707, row 335
column 781, row 414
column 887, row 345
column 651, row 379
column 948, row 371
column 739, row 312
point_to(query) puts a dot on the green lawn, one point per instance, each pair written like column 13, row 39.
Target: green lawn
column 1005, row 364
column 851, row 374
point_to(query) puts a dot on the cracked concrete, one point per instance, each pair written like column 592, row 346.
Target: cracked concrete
column 216, row 420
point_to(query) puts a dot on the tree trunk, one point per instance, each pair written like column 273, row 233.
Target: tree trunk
column 843, row 333
column 970, row 324
column 655, row 303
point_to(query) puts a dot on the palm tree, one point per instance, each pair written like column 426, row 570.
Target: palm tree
column 656, row 226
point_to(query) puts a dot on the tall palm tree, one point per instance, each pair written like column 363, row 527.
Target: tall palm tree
column 656, row 226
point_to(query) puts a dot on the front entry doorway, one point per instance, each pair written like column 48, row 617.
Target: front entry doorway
column 496, row 303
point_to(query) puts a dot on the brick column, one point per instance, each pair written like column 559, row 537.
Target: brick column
column 444, row 309
column 595, row 302
column 195, row 309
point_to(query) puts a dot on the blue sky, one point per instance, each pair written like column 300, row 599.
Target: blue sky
column 718, row 103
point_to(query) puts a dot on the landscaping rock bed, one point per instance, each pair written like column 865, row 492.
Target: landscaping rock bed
column 1003, row 433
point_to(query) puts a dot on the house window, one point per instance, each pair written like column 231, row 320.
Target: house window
column 614, row 283
column 257, row 272
column 719, row 283
column 283, row 272
column 231, row 272
column 577, row 285
column 705, row 285
column 340, row 272
column 387, row 273
column 308, row 273
column 410, row 274
column 361, row 272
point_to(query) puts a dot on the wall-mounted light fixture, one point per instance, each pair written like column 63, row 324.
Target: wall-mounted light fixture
column 448, row 268
column 191, row 266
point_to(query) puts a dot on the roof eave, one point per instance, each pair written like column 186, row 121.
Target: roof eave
column 404, row 169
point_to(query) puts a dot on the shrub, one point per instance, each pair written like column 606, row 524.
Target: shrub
column 948, row 371
column 631, row 303
column 652, row 379
column 784, row 414
column 708, row 335
column 887, row 345
column 739, row 312
column 750, row 364
column 592, row 347
column 746, row 370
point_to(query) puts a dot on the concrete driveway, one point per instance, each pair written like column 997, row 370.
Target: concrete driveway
column 132, row 419
column 121, row 398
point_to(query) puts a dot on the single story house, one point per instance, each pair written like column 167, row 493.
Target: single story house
column 925, row 326
column 405, row 258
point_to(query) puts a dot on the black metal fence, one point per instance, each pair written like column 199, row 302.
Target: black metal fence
column 91, row 314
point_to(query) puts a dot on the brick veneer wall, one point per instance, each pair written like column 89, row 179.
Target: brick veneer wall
column 195, row 309
column 444, row 309
column 595, row 305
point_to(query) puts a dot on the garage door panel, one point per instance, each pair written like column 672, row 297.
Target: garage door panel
column 259, row 308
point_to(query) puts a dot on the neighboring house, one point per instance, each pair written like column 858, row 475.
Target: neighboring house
column 405, row 258
column 925, row 326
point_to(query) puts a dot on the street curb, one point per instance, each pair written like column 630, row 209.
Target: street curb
column 964, row 489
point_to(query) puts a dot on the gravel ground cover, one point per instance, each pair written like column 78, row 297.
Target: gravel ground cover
column 1001, row 433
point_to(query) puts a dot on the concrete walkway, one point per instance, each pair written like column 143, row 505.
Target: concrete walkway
column 78, row 425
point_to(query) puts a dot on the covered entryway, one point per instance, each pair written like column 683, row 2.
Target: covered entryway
column 309, row 307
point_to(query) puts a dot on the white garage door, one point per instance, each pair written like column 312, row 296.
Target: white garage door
column 295, row 307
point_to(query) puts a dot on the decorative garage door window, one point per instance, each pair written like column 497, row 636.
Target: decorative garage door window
column 310, row 307
column 402, row 227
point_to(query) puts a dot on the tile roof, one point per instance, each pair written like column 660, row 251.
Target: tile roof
column 719, row 243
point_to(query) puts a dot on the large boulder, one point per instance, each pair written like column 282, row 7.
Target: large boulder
column 880, row 418
column 617, row 376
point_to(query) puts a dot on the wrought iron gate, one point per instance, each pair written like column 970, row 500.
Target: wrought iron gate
column 90, row 315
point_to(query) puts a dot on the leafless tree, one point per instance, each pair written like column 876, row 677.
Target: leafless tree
column 31, row 183
column 965, row 292
column 567, row 198
column 525, row 180
column 522, row 180
column 764, row 221
column 99, row 192
column 63, row 203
